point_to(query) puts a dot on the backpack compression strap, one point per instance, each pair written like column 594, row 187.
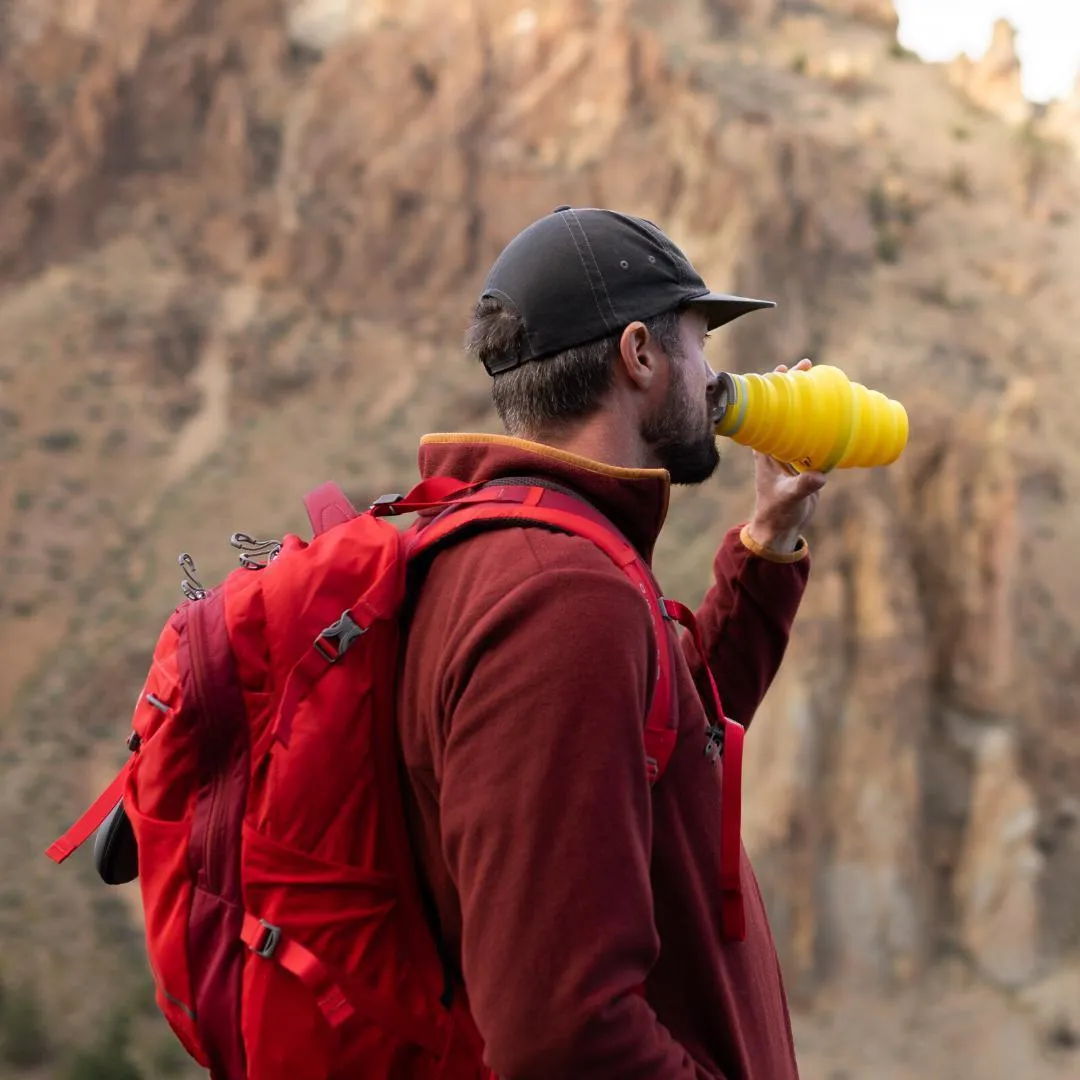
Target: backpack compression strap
column 512, row 505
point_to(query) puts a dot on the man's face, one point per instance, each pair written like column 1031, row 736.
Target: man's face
column 680, row 430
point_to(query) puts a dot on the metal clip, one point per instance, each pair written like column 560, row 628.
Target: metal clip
column 191, row 586
column 255, row 554
column 714, row 741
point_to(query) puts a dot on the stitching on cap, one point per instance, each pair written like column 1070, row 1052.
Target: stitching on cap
column 603, row 283
column 567, row 217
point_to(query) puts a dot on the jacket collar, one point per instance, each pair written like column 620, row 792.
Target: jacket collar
column 635, row 500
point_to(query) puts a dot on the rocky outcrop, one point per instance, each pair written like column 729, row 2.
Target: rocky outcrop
column 730, row 15
column 994, row 82
column 875, row 12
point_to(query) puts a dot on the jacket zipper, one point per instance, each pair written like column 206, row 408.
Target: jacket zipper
column 213, row 841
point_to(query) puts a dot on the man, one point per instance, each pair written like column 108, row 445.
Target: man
column 562, row 883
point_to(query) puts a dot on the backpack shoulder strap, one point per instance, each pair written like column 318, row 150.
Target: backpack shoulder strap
column 510, row 505
column 523, row 503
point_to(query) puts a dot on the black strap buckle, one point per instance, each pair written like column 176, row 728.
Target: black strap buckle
column 384, row 504
column 340, row 636
column 267, row 942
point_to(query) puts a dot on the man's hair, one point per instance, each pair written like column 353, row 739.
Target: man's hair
column 541, row 395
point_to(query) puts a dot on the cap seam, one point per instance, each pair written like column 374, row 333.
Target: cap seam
column 603, row 282
column 570, row 214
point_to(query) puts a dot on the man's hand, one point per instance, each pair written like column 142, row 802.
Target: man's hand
column 785, row 500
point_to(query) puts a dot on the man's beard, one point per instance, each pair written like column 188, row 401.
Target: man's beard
column 683, row 444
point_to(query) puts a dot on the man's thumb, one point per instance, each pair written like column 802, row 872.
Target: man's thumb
column 809, row 482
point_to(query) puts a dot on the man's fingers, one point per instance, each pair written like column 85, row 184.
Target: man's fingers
column 803, row 365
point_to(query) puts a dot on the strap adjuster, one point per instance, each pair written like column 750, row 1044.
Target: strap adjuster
column 266, row 943
column 340, row 635
column 385, row 504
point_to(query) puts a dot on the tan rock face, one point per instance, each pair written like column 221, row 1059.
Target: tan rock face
column 997, row 880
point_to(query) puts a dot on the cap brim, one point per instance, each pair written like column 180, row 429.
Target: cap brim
column 720, row 308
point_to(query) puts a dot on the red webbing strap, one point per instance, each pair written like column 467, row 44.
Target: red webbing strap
column 337, row 1005
column 539, row 505
column 732, row 914
column 90, row 821
column 327, row 505
column 430, row 493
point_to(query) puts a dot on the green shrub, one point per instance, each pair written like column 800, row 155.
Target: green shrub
column 888, row 248
column 169, row 1058
column 24, row 1036
column 108, row 1058
column 60, row 441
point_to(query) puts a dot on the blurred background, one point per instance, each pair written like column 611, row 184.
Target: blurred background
column 239, row 241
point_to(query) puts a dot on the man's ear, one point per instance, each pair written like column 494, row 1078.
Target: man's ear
column 640, row 355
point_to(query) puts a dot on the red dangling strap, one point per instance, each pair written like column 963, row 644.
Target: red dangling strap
column 91, row 820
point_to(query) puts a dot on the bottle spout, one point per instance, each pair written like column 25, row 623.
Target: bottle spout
column 721, row 396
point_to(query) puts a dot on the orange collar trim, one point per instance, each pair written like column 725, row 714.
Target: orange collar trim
column 618, row 472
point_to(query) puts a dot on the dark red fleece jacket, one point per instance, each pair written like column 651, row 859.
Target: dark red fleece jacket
column 560, row 880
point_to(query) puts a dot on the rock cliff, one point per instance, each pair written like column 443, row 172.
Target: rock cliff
column 238, row 244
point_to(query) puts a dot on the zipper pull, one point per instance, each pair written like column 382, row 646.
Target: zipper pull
column 255, row 554
column 714, row 741
column 190, row 586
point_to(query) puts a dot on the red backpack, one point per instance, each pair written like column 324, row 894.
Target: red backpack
column 261, row 811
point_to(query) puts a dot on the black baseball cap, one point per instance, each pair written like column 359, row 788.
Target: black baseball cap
column 577, row 275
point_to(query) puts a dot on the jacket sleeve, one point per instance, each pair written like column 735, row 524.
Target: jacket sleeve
column 546, row 821
column 745, row 620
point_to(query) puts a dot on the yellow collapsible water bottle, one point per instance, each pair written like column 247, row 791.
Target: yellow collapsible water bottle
column 812, row 420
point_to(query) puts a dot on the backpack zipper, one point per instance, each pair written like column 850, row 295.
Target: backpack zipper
column 212, row 842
